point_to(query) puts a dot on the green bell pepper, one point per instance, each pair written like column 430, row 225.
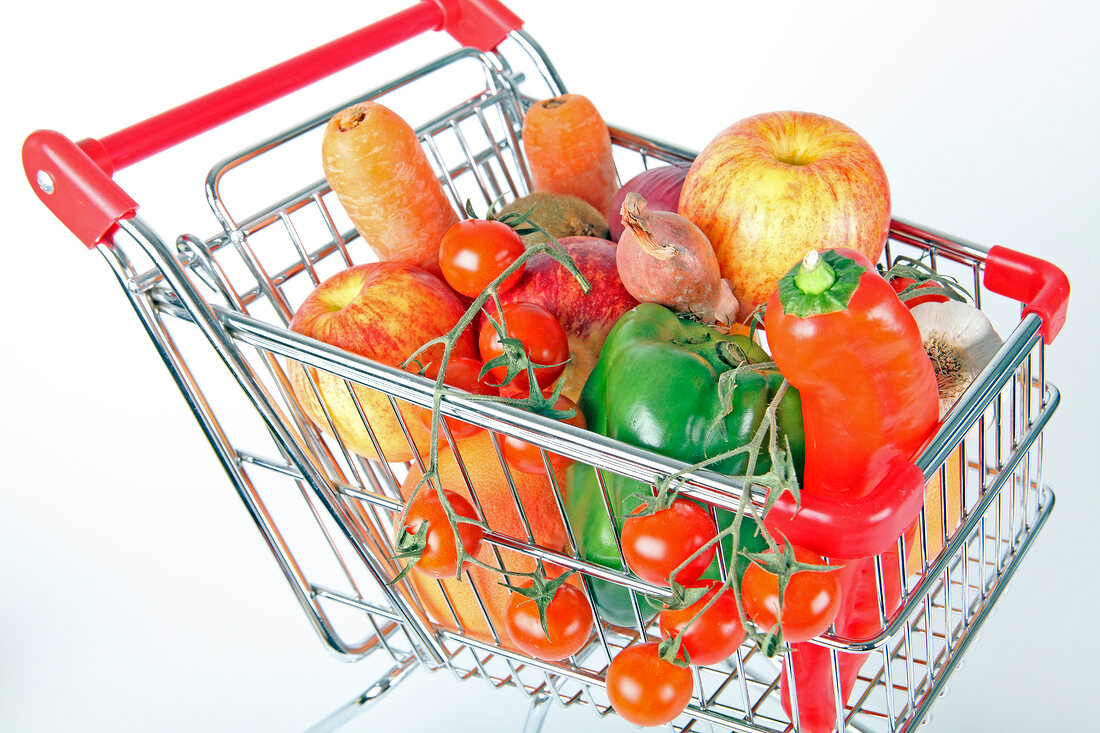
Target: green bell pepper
column 656, row 386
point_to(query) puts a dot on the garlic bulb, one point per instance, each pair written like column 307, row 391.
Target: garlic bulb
column 960, row 341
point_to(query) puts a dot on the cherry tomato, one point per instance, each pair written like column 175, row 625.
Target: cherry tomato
column 526, row 457
column 462, row 373
column 544, row 341
column 714, row 636
column 810, row 602
column 440, row 556
column 474, row 252
column 568, row 618
column 655, row 545
column 901, row 283
column 645, row 689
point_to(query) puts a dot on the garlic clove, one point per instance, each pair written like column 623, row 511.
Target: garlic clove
column 960, row 341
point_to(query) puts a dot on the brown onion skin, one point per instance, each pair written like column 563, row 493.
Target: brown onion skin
column 660, row 187
column 664, row 258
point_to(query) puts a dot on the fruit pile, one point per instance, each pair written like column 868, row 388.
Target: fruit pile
column 635, row 312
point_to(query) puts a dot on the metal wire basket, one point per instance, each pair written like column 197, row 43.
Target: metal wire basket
column 217, row 310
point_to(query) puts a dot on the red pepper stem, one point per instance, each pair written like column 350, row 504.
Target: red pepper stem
column 823, row 282
column 814, row 275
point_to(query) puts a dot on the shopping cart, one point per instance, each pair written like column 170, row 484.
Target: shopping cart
column 217, row 310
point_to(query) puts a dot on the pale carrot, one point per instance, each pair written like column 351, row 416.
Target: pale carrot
column 568, row 150
column 376, row 167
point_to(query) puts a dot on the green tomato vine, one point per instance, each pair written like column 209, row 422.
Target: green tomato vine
column 515, row 360
column 781, row 477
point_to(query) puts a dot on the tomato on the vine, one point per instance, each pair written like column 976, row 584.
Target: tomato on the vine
column 462, row 372
column 568, row 619
column 645, row 689
column 527, row 457
column 544, row 342
column 715, row 635
column 439, row 557
column 810, row 602
column 654, row 545
column 475, row 252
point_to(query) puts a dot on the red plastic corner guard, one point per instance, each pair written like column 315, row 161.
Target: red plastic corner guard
column 853, row 528
column 1042, row 287
column 481, row 24
column 75, row 187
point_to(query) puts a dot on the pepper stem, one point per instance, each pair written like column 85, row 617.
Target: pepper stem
column 815, row 275
column 823, row 282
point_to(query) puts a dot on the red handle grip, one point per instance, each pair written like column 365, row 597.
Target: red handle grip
column 73, row 180
column 1042, row 287
column 479, row 23
column 162, row 131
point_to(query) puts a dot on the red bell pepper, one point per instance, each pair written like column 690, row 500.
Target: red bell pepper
column 839, row 333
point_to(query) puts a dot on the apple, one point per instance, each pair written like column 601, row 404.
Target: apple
column 772, row 187
column 383, row 311
column 586, row 318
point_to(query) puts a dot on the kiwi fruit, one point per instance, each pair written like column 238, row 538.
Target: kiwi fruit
column 561, row 215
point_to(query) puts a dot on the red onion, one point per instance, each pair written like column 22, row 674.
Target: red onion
column 660, row 187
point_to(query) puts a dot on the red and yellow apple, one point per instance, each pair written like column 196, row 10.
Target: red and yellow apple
column 383, row 311
column 586, row 318
column 772, row 187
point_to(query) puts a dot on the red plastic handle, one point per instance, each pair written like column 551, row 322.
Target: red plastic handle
column 74, row 186
column 1042, row 287
column 90, row 204
column 479, row 23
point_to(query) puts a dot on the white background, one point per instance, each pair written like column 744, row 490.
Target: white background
column 135, row 594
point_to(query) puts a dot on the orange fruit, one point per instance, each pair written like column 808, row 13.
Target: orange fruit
column 489, row 482
column 933, row 512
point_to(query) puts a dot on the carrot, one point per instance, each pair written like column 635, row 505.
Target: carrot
column 376, row 167
column 568, row 150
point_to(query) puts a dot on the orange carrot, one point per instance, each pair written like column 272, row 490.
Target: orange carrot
column 568, row 150
column 376, row 167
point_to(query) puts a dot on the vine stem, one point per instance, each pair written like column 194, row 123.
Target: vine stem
column 551, row 248
column 768, row 427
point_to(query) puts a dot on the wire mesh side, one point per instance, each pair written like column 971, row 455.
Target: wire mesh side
column 264, row 478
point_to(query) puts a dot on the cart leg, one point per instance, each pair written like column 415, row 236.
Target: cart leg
column 536, row 714
column 370, row 696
